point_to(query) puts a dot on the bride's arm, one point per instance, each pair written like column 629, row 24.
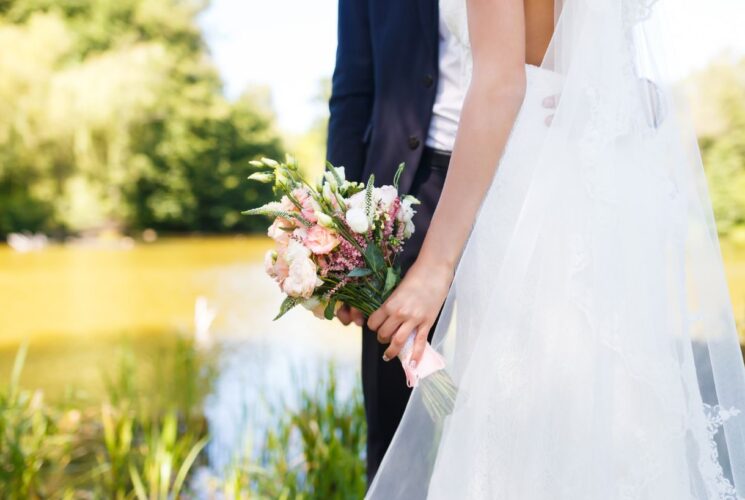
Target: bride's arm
column 497, row 32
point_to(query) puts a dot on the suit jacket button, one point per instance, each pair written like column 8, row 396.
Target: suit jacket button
column 429, row 80
column 414, row 142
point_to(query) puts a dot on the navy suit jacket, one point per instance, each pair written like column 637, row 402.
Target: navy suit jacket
column 384, row 87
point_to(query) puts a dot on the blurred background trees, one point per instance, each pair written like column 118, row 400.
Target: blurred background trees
column 717, row 95
column 111, row 112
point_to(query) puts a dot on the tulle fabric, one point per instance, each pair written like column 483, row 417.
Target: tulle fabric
column 588, row 328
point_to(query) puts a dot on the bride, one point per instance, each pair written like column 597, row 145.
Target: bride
column 586, row 320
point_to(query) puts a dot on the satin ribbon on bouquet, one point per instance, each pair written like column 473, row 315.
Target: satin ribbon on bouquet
column 431, row 377
column 430, row 362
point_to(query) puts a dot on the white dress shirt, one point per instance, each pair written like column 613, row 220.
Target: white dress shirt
column 451, row 89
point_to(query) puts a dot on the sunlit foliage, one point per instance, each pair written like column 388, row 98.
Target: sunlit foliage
column 718, row 99
column 111, row 112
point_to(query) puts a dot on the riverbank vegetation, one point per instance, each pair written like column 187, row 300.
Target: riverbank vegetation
column 145, row 444
column 111, row 113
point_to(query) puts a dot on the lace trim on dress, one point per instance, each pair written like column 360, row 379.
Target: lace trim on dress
column 716, row 417
column 637, row 11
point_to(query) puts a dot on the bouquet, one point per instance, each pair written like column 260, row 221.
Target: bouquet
column 336, row 242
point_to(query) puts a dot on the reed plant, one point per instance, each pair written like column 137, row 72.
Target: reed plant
column 317, row 450
column 144, row 446
column 34, row 444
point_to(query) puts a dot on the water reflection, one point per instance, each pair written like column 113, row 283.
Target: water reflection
column 260, row 370
column 76, row 305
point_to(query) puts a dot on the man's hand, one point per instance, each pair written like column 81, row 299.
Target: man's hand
column 348, row 315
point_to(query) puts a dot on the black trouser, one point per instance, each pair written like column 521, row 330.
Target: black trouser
column 384, row 383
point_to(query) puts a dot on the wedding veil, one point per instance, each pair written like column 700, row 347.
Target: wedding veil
column 591, row 337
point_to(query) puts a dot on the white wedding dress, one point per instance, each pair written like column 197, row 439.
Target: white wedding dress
column 588, row 328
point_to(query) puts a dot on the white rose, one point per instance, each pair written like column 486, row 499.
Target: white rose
column 408, row 229
column 332, row 179
column 357, row 200
column 296, row 251
column 357, row 220
column 385, row 196
column 277, row 233
column 406, row 212
column 302, row 279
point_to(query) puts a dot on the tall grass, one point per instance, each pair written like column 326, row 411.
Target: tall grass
column 143, row 444
column 32, row 440
column 165, row 460
column 23, row 429
column 316, row 450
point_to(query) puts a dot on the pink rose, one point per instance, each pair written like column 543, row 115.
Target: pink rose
column 277, row 230
column 275, row 264
column 299, row 233
column 269, row 259
column 323, row 264
column 302, row 279
column 320, row 240
column 287, row 205
column 307, row 202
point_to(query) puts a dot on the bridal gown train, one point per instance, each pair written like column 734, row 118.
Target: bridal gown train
column 588, row 327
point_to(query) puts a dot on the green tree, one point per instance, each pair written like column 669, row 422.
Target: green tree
column 111, row 111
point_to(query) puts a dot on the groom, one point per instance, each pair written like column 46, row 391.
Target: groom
column 391, row 103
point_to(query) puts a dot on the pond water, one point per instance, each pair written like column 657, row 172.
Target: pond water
column 76, row 306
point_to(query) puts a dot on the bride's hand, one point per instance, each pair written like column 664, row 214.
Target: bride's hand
column 412, row 307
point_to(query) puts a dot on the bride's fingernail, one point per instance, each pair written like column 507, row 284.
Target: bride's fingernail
column 412, row 364
column 386, row 358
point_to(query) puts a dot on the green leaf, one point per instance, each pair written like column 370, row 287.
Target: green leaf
column 397, row 177
column 286, row 305
column 270, row 211
column 139, row 487
column 359, row 272
column 330, row 310
column 391, row 280
column 191, row 457
column 374, row 258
